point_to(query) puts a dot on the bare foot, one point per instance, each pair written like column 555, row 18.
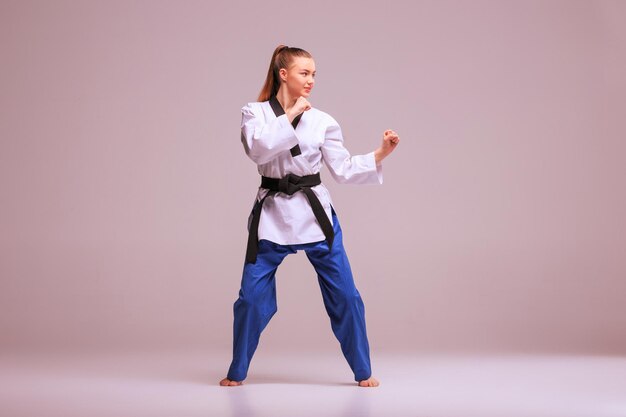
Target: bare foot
column 228, row 383
column 370, row 382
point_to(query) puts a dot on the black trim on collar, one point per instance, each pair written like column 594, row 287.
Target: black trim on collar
column 279, row 111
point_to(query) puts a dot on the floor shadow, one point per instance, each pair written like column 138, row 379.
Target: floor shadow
column 213, row 378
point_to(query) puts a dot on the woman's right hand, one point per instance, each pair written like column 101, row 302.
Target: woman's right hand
column 301, row 105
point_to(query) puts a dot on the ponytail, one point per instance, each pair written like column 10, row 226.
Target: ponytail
column 281, row 58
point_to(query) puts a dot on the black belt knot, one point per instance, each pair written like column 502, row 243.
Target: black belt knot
column 289, row 184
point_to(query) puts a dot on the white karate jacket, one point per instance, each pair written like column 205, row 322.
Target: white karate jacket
column 267, row 140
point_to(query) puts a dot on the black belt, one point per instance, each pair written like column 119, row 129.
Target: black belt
column 289, row 185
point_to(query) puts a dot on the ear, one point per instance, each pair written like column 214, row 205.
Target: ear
column 282, row 73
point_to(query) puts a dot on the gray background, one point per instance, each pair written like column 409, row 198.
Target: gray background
column 125, row 190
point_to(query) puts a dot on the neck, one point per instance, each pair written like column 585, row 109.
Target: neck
column 285, row 99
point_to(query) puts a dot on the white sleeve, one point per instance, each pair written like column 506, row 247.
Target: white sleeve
column 264, row 141
column 347, row 169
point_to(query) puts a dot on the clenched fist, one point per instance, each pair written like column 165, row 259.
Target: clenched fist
column 390, row 141
column 301, row 105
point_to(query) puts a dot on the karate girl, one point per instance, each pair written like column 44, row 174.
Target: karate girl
column 289, row 139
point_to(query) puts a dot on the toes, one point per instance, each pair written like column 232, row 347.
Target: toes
column 371, row 382
column 229, row 383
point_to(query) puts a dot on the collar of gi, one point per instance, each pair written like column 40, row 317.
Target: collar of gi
column 279, row 111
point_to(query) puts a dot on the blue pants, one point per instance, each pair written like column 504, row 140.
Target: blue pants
column 257, row 302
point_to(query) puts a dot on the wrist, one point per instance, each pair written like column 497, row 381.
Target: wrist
column 378, row 156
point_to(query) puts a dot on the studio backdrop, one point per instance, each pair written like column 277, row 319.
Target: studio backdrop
column 125, row 189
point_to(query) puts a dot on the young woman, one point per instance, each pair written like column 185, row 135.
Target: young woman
column 288, row 139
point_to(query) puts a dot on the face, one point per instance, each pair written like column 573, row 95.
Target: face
column 299, row 78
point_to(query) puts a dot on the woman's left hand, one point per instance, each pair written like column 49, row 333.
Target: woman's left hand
column 390, row 141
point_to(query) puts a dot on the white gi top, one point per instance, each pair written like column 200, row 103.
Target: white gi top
column 267, row 140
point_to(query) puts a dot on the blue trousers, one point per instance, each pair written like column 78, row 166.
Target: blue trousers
column 257, row 302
